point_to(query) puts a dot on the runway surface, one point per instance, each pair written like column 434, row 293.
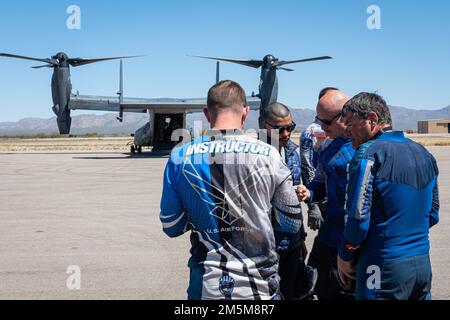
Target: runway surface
column 100, row 212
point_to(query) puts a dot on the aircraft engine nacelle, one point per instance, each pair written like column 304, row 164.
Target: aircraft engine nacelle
column 64, row 122
column 61, row 88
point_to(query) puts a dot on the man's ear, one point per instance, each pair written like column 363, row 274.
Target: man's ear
column 207, row 115
column 373, row 120
column 245, row 113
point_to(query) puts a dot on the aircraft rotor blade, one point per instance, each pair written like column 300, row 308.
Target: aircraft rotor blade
column 76, row 62
column 49, row 61
column 248, row 63
column 44, row 66
column 285, row 69
column 280, row 63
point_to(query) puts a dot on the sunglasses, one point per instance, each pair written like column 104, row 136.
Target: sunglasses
column 327, row 122
column 280, row 129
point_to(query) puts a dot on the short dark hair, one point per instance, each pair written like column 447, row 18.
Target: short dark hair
column 325, row 90
column 364, row 103
column 226, row 94
column 276, row 110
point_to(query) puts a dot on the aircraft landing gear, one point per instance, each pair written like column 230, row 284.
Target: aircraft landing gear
column 135, row 149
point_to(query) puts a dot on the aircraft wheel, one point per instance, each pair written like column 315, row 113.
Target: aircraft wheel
column 139, row 149
column 133, row 149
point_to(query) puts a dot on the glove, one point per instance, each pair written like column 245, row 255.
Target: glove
column 314, row 217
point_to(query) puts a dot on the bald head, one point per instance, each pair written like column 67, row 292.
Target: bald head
column 329, row 109
column 333, row 101
column 276, row 111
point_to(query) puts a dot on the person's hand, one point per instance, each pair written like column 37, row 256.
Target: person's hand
column 346, row 272
column 303, row 193
column 314, row 217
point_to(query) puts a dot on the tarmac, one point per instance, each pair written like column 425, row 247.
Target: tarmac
column 98, row 213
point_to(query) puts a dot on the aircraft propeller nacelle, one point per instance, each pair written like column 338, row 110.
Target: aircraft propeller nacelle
column 61, row 85
column 268, row 86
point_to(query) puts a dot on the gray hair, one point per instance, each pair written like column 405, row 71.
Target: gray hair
column 364, row 103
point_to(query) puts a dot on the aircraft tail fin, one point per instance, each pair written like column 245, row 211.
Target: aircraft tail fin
column 217, row 72
column 120, row 93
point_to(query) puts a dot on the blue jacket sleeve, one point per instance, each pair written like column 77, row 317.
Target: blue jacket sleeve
column 172, row 215
column 358, row 205
column 434, row 213
column 317, row 187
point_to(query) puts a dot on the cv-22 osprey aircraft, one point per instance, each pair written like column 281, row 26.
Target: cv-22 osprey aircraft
column 165, row 114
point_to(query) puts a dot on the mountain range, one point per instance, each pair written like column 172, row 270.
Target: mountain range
column 403, row 119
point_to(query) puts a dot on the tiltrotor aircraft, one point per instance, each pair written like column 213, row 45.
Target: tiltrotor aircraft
column 165, row 114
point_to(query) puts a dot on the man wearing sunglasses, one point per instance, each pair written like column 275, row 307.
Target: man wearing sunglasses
column 330, row 182
column 277, row 122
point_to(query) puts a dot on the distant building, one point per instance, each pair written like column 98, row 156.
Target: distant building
column 434, row 126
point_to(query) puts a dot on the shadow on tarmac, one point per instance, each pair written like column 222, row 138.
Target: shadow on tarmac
column 128, row 155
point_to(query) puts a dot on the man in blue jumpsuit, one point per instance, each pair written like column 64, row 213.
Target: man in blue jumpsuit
column 310, row 141
column 393, row 201
column 231, row 191
column 278, row 125
column 330, row 181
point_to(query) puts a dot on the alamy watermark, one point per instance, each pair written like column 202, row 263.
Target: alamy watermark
column 73, row 282
column 374, row 20
column 374, row 280
column 73, row 22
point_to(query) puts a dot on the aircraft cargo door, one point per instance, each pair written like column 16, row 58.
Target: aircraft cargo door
column 165, row 125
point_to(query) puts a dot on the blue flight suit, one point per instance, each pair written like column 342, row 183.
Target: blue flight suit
column 330, row 181
column 392, row 203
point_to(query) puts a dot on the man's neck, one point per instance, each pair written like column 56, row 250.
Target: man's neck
column 227, row 122
column 227, row 128
column 281, row 147
column 373, row 135
column 376, row 132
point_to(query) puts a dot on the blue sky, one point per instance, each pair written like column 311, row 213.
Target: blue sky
column 407, row 61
